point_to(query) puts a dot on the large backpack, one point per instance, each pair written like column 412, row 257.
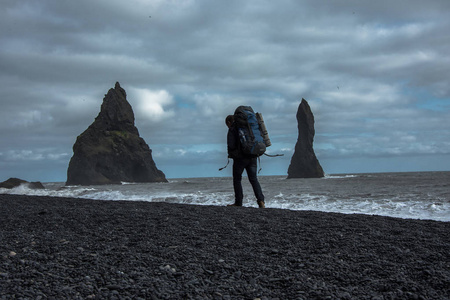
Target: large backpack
column 253, row 136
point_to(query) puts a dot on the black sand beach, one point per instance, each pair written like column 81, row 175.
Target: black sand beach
column 62, row 248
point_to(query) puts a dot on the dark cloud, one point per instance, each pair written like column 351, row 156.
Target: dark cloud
column 375, row 75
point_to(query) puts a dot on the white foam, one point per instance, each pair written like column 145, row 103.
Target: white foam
column 339, row 176
column 284, row 194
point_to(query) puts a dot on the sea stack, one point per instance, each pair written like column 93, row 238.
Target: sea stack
column 110, row 150
column 15, row 182
column 304, row 163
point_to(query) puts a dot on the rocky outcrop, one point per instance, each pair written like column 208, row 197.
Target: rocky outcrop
column 15, row 182
column 304, row 163
column 110, row 150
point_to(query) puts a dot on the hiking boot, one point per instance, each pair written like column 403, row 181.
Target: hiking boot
column 261, row 204
column 234, row 204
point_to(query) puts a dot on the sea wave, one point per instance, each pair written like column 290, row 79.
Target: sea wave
column 349, row 194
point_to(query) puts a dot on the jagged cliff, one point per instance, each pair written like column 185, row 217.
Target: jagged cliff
column 304, row 163
column 110, row 150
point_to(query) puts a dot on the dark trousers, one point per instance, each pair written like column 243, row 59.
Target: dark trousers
column 250, row 165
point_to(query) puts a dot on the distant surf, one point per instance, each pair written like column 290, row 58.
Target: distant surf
column 419, row 195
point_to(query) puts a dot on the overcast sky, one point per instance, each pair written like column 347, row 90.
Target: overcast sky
column 375, row 73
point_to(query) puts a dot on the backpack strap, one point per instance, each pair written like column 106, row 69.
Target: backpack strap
column 275, row 155
column 259, row 161
column 226, row 165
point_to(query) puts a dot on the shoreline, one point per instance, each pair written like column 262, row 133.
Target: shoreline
column 80, row 248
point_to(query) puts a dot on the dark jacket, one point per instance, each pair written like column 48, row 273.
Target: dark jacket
column 234, row 146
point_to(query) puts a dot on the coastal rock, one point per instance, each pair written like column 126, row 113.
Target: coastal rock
column 110, row 150
column 15, row 182
column 304, row 163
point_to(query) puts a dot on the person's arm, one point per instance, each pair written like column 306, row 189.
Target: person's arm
column 233, row 143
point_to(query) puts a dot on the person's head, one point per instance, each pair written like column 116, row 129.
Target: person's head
column 229, row 120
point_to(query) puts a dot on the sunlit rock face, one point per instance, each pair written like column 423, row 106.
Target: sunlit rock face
column 304, row 163
column 110, row 150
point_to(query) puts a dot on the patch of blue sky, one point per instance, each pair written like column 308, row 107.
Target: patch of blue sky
column 283, row 136
column 192, row 148
column 325, row 146
column 202, row 148
column 184, row 104
column 426, row 100
column 341, row 135
column 435, row 104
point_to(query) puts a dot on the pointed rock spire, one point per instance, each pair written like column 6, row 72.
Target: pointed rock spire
column 110, row 150
column 304, row 163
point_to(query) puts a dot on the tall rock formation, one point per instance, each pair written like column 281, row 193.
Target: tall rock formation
column 304, row 163
column 110, row 150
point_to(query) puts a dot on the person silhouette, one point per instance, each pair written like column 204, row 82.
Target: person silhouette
column 242, row 162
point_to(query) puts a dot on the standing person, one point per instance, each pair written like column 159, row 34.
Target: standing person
column 241, row 162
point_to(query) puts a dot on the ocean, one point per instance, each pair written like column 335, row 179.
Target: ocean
column 413, row 195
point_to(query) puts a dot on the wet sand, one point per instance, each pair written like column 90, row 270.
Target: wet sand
column 65, row 248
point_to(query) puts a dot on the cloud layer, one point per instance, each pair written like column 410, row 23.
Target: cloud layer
column 375, row 74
